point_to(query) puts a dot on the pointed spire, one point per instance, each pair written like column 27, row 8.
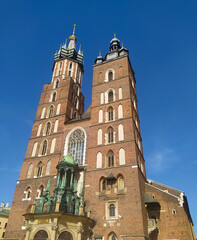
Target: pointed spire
column 73, row 39
column 74, row 29
column 114, row 35
column 79, row 52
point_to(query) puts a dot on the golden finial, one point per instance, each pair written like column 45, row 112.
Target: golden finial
column 114, row 35
column 122, row 44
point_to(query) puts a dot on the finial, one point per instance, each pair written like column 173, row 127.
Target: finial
column 99, row 52
column 122, row 44
column 74, row 29
column 114, row 34
column 80, row 46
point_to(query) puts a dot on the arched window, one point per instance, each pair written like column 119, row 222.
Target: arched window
column 110, row 76
column 39, row 169
column 65, row 235
column 28, row 193
column 99, row 160
column 110, row 135
column 120, row 132
column 30, row 170
column 47, row 129
column 55, row 126
column 53, row 97
column 100, row 116
column 50, row 111
column 48, row 168
column 99, row 137
column 58, row 109
column 70, row 68
column 53, row 145
column 43, row 113
column 102, row 98
column 110, row 96
column 75, row 145
column 120, row 93
column 39, row 130
column 41, row 235
column 57, row 84
column 34, row 149
column 110, row 159
column 121, row 156
column 110, row 112
column 43, row 148
column 112, row 210
column 103, row 184
column 40, row 191
column 120, row 182
column 120, row 111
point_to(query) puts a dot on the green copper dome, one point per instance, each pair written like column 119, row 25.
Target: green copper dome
column 69, row 159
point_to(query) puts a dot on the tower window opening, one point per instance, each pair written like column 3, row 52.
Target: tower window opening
column 110, row 159
column 39, row 169
column 110, row 96
column 54, row 97
column 57, row 84
column 110, row 76
column 44, row 147
column 48, row 128
column 112, row 210
column 70, row 68
column 110, row 114
column 110, row 135
column 50, row 114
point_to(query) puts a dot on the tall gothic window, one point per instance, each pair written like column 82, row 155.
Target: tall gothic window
column 48, row 128
column 76, row 145
column 110, row 159
column 54, row 97
column 57, row 84
column 110, row 76
column 110, row 96
column 50, row 111
column 43, row 148
column 39, row 169
column 110, row 114
column 110, row 135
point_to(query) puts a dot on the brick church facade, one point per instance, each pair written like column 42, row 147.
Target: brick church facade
column 83, row 176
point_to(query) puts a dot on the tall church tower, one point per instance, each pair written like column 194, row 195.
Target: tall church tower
column 60, row 101
column 83, row 176
column 115, row 176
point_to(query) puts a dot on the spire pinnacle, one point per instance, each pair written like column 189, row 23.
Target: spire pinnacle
column 74, row 26
column 114, row 34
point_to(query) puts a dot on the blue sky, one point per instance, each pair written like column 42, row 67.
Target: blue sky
column 161, row 37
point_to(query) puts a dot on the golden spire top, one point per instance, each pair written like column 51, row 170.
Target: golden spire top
column 114, row 34
column 73, row 35
column 122, row 44
column 74, row 29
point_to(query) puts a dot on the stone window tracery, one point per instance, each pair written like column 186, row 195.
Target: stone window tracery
column 76, row 145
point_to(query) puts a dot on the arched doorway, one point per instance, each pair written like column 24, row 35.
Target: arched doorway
column 41, row 235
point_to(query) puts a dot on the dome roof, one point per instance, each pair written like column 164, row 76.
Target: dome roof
column 69, row 159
